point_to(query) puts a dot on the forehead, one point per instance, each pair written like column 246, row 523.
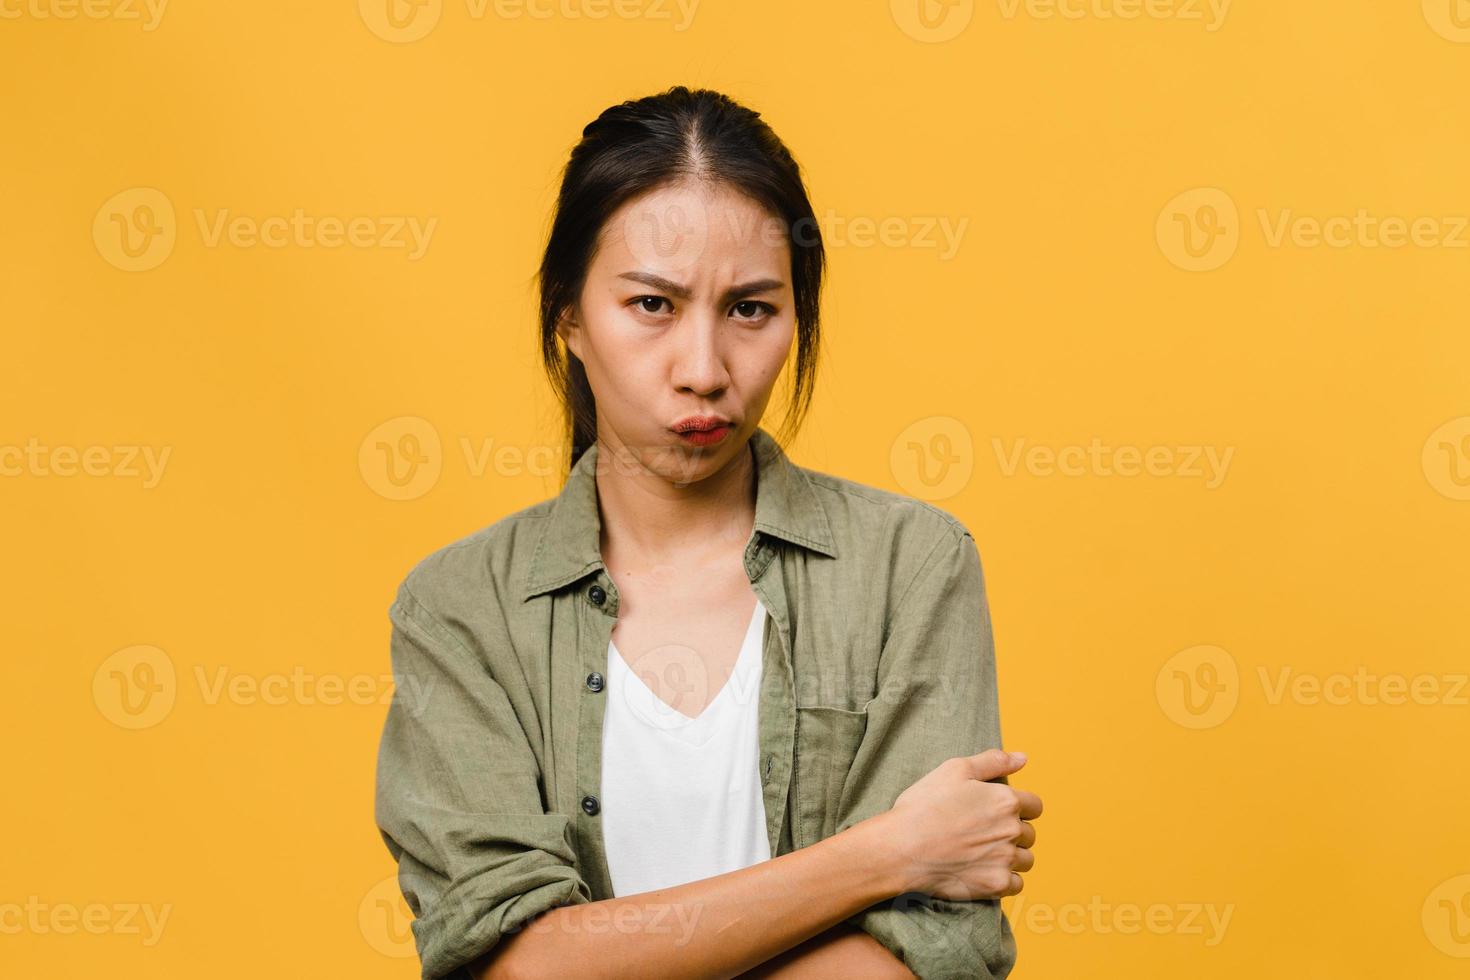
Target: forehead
column 692, row 226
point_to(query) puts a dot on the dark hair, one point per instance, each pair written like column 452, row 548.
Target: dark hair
column 638, row 146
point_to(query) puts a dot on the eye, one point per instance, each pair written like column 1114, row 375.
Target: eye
column 754, row 309
column 643, row 303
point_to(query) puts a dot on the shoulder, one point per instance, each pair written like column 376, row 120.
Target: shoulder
column 887, row 542
column 488, row 562
column 892, row 552
column 859, row 513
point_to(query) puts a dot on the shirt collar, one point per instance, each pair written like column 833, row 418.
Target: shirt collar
column 786, row 507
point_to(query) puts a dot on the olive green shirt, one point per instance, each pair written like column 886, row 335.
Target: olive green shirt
column 877, row 666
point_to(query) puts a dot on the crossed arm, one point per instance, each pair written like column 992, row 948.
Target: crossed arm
column 842, row 951
column 491, row 879
column 783, row 918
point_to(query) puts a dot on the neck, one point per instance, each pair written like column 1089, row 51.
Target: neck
column 650, row 520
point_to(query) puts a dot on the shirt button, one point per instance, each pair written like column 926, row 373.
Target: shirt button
column 596, row 594
column 594, row 682
column 589, row 805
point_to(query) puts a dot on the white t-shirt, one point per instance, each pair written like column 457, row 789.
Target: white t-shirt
column 681, row 797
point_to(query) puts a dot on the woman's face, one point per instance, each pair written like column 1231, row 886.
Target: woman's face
column 687, row 311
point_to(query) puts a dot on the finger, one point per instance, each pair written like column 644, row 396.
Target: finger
column 1027, row 836
column 1023, row 861
column 1030, row 804
column 992, row 763
column 1015, row 887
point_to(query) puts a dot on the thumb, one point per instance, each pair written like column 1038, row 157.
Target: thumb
column 993, row 763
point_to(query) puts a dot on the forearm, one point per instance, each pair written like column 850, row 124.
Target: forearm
column 842, row 951
column 717, row 927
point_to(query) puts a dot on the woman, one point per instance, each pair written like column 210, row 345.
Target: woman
column 705, row 713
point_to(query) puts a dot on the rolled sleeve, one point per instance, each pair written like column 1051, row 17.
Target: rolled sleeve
column 458, row 801
column 936, row 699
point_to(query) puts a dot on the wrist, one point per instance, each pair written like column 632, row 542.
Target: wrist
column 875, row 845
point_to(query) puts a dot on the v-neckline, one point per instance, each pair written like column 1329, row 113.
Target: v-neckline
column 756, row 616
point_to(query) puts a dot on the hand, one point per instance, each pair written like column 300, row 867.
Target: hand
column 961, row 837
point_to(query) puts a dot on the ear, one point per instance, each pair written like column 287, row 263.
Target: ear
column 570, row 331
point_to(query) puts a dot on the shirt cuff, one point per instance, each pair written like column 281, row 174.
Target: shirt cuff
column 938, row 939
column 465, row 925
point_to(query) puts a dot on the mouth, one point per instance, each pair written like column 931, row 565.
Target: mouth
column 703, row 430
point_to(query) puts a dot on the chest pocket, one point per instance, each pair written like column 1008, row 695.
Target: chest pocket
column 827, row 740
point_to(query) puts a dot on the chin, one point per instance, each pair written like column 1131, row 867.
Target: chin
column 687, row 465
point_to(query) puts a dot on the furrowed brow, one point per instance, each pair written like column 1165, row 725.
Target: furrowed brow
column 749, row 288
column 684, row 292
column 658, row 282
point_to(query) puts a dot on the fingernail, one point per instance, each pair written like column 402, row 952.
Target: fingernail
column 1018, row 756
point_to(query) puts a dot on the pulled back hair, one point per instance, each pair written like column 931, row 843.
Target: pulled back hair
column 637, row 146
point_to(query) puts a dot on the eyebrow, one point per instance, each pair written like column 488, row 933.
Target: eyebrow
column 683, row 292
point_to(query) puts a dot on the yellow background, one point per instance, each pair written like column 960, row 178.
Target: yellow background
column 1333, row 835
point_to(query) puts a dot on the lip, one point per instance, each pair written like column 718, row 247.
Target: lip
column 699, row 423
column 703, row 430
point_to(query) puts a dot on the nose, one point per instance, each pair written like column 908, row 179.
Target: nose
column 699, row 359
